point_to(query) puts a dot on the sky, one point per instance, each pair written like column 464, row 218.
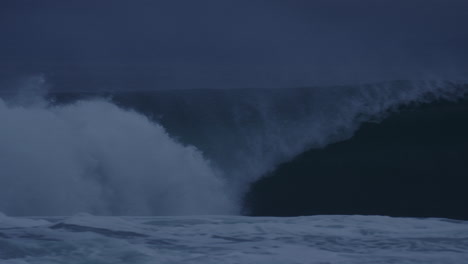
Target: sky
column 178, row 44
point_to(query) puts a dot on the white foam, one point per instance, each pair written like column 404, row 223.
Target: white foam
column 234, row 239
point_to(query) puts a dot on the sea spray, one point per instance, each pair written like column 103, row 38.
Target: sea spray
column 93, row 156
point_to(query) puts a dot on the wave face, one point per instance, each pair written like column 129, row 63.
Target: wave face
column 412, row 164
column 248, row 132
column 116, row 161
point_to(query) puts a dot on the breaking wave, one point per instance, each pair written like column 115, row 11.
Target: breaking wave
column 77, row 153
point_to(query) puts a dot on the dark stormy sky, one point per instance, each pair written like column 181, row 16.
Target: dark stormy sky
column 143, row 44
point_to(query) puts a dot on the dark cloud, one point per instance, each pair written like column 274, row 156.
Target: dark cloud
column 186, row 44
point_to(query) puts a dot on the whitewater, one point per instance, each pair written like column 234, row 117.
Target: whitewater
column 339, row 239
column 92, row 156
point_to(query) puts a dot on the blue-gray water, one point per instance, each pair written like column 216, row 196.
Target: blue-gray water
column 337, row 239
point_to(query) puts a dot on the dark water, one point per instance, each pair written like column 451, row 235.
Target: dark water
column 415, row 163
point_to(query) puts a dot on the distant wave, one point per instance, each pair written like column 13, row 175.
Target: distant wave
column 84, row 154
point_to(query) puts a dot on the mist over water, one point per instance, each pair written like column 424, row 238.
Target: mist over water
column 198, row 154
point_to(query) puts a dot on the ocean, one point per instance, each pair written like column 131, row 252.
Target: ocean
column 369, row 173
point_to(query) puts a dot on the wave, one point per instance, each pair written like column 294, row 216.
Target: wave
column 106, row 157
column 248, row 132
